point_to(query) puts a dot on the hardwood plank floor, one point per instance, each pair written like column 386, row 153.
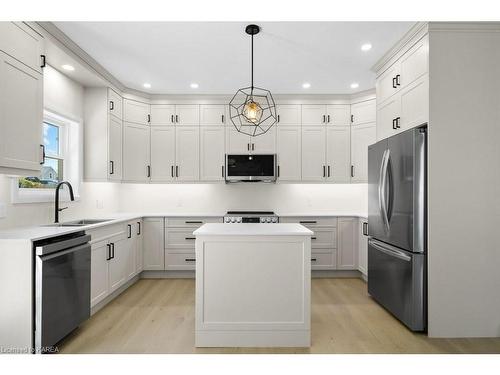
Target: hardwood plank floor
column 157, row 316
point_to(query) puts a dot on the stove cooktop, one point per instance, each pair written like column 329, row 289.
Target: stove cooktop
column 250, row 213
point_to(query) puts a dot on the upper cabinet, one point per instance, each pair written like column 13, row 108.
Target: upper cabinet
column 364, row 112
column 213, row 114
column 21, row 99
column 174, row 114
column 115, row 104
column 136, row 112
column 321, row 114
column 403, row 90
column 162, row 114
column 313, row 114
column 289, row 114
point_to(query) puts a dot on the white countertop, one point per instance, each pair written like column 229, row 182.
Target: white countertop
column 251, row 229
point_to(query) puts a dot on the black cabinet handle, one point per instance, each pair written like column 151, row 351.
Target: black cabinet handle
column 172, row 171
column 149, row 170
column 324, row 119
column 222, row 168
column 253, row 146
column 394, row 123
column 328, row 119
column 190, row 259
column 129, row 231
column 324, row 171
column 190, row 238
column 397, row 122
column 313, row 238
column 278, row 118
column 149, row 119
column 313, row 259
column 176, row 171
column 328, row 171
column 113, row 250
column 394, row 83
column 248, row 146
column 177, row 118
column 111, row 167
column 222, row 116
column 43, row 154
column 193, row 222
column 43, row 61
column 352, row 170
column 138, row 228
column 308, row 222
column 365, row 228
column 397, row 80
column 352, row 118
column 108, row 256
column 278, row 171
column 111, row 105
column 172, row 119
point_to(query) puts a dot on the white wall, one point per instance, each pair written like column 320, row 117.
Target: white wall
column 464, row 181
column 282, row 198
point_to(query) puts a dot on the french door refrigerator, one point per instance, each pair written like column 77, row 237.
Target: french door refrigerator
column 397, row 226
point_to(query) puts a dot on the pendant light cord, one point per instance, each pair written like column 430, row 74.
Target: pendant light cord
column 251, row 89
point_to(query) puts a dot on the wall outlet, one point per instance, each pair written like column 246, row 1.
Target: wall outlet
column 3, row 213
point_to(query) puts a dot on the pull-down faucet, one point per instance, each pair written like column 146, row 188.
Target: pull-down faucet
column 71, row 196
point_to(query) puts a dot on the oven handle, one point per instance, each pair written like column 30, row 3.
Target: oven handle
column 389, row 250
column 64, row 252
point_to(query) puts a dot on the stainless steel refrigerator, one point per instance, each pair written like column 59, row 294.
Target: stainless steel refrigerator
column 397, row 245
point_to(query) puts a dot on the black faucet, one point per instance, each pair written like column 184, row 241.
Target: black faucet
column 71, row 196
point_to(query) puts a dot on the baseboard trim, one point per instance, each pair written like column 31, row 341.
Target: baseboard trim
column 336, row 274
column 113, row 295
column 167, row 274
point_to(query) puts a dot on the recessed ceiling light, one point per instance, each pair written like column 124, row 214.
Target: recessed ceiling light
column 194, row 85
column 306, row 85
column 147, row 85
column 366, row 47
column 68, row 67
column 354, row 85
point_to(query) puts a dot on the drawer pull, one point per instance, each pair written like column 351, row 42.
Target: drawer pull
column 190, row 238
column 193, row 222
column 190, row 260
column 313, row 259
column 365, row 228
column 313, row 238
column 308, row 222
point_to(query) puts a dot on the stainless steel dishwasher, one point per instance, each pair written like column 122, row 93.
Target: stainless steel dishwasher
column 62, row 287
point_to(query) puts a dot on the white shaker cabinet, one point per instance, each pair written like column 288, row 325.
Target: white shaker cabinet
column 212, row 114
column 136, row 152
column 120, row 253
column 162, row 153
column 364, row 112
column 338, row 114
column 115, row 104
column 237, row 143
column 212, row 153
column 289, row 153
column 265, row 143
column 99, row 272
column 136, row 112
column 363, row 246
column 187, row 153
column 347, row 251
column 153, row 244
column 115, row 129
column 313, row 114
column 187, row 114
column 288, row 114
column 139, row 256
column 361, row 137
column 21, row 115
column 162, row 114
column 338, row 150
column 313, row 153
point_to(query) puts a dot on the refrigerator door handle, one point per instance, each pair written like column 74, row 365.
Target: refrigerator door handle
column 389, row 250
column 382, row 189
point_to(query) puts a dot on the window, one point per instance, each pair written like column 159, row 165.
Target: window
column 62, row 141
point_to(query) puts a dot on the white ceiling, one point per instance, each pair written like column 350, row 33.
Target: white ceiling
column 216, row 55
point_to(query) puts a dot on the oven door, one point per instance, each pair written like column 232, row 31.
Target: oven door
column 250, row 168
column 62, row 294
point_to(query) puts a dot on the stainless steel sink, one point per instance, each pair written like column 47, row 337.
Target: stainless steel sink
column 79, row 223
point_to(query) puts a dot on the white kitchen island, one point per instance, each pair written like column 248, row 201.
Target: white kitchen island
column 253, row 285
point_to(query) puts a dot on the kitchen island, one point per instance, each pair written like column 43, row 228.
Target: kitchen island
column 253, row 284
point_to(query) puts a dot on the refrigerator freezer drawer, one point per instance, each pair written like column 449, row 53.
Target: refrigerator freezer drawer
column 397, row 281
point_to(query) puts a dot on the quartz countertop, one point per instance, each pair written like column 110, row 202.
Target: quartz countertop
column 251, row 229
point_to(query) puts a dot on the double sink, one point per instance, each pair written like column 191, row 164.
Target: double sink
column 79, row 223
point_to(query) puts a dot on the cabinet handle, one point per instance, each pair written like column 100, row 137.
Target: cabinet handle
column 222, row 118
column 112, row 167
column 190, row 259
column 278, row 118
column 172, row 171
column 129, row 231
column 193, row 222
column 190, row 238
column 43, row 61
column 328, row 119
column 394, row 83
column 308, row 222
column 328, row 171
column 172, row 119
column 278, row 171
column 111, row 105
column 108, row 256
column 313, row 259
column 397, row 122
column 365, row 228
column 253, row 146
column 138, row 228
column 43, row 154
column 176, row 171
column 177, row 118
column 394, row 123
column 397, row 80
column 352, row 170
column 149, row 170
column 313, row 238
column 324, row 119
column 248, row 146
column 149, row 119
column 222, row 168
column 352, row 118
column 324, row 171
column 113, row 250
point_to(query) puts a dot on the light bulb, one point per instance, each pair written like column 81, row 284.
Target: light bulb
column 252, row 112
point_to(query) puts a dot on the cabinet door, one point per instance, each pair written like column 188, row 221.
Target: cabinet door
column 187, row 153
column 118, row 263
column 313, row 114
column 131, row 251
column 114, row 148
column 238, row 143
column 115, row 104
column 21, row 107
column 162, row 114
column 386, row 83
column 99, row 276
column 338, row 153
column 347, row 251
column 153, row 244
column 414, row 63
column 386, row 114
column 212, row 153
column 289, row 153
column 136, row 112
column 338, row 115
column 362, row 248
column 265, row 143
column 211, row 114
column 139, row 258
column 187, row 114
column 22, row 43
column 414, row 104
column 313, row 153
column 361, row 137
column 364, row 112
column 162, row 153
column 135, row 152
column 289, row 114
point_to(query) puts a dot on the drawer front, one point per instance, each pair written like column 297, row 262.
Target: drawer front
column 191, row 222
column 310, row 221
column 324, row 261
column 179, row 237
column 106, row 232
column 180, row 261
column 324, row 238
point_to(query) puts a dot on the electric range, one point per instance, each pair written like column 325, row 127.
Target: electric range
column 268, row 217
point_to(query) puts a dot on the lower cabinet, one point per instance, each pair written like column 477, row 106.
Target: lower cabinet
column 152, row 242
column 363, row 246
column 99, row 272
column 347, row 250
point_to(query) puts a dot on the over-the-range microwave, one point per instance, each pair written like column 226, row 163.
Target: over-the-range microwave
column 250, row 168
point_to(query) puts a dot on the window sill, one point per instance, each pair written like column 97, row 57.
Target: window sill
column 24, row 196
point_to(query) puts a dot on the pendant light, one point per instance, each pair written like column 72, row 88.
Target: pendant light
column 252, row 109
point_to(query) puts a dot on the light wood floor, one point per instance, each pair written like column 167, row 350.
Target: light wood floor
column 157, row 316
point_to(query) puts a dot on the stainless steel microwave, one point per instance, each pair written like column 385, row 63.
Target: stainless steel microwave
column 250, row 168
